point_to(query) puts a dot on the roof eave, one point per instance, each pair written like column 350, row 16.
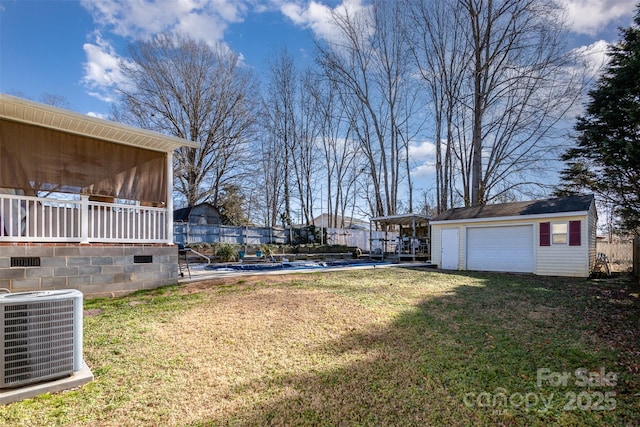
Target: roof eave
column 394, row 217
column 512, row 217
column 34, row 113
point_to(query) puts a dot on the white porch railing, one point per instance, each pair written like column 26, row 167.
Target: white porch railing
column 38, row 219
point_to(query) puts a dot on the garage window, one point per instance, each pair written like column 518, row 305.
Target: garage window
column 559, row 233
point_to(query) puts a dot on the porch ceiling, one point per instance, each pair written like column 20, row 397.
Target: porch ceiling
column 29, row 112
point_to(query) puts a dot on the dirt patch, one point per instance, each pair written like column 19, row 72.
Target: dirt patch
column 92, row 312
column 242, row 280
column 544, row 314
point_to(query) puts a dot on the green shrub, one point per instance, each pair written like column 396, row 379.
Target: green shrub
column 226, row 252
column 267, row 250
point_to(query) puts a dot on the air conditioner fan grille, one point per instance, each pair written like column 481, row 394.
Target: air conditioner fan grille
column 37, row 341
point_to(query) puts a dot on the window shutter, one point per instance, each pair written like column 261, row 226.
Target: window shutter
column 574, row 233
column 545, row 234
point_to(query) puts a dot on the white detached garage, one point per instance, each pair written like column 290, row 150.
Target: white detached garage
column 554, row 237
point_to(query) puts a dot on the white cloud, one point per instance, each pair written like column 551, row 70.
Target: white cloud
column 590, row 62
column 591, row 16
column 594, row 57
column 202, row 19
column 97, row 115
column 141, row 19
column 202, row 26
column 424, row 170
column 422, row 151
column 318, row 17
column 101, row 71
column 423, row 154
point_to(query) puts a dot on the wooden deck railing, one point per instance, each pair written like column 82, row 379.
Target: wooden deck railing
column 38, row 219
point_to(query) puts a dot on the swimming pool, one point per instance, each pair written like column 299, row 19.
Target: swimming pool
column 294, row 265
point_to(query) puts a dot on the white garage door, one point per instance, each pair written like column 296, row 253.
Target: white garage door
column 508, row 248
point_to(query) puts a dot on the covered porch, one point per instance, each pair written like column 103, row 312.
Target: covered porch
column 75, row 181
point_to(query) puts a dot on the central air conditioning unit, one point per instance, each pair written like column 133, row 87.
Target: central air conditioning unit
column 40, row 336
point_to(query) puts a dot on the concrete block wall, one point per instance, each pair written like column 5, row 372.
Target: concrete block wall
column 95, row 270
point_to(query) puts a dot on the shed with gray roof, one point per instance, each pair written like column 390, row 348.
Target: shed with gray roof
column 554, row 237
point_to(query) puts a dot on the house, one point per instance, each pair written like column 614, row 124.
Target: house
column 201, row 214
column 85, row 203
column 552, row 237
column 327, row 220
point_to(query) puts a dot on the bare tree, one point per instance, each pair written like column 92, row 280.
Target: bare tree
column 341, row 155
column 52, row 99
column 520, row 88
column 368, row 63
column 307, row 153
column 291, row 109
column 439, row 49
column 55, row 100
column 186, row 88
column 500, row 80
column 279, row 107
column 271, row 179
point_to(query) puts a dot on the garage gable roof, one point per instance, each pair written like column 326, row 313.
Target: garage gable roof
column 516, row 209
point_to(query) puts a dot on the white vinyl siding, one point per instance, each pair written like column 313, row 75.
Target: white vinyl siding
column 564, row 260
column 435, row 245
column 590, row 238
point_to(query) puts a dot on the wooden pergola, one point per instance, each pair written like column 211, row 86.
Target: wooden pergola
column 413, row 241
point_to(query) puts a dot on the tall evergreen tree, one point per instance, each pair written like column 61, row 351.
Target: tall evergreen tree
column 606, row 159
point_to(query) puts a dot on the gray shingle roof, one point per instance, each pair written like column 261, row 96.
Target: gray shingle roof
column 532, row 207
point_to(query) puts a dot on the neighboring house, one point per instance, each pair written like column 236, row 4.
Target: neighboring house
column 552, row 237
column 85, row 203
column 201, row 214
column 322, row 221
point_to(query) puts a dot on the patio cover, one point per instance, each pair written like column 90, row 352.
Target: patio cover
column 43, row 148
column 405, row 220
column 38, row 159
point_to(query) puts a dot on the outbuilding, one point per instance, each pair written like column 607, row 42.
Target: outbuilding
column 200, row 214
column 551, row 237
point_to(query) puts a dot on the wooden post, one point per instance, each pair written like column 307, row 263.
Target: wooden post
column 169, row 204
column 84, row 219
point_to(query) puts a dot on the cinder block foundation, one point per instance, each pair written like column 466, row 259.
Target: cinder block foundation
column 95, row 270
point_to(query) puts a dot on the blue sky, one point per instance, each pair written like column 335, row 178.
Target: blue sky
column 70, row 48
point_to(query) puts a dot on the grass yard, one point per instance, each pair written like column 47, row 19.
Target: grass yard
column 397, row 346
